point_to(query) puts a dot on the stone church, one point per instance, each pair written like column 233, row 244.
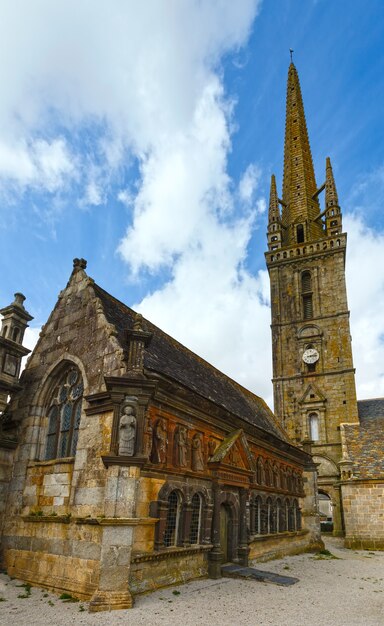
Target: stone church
column 128, row 463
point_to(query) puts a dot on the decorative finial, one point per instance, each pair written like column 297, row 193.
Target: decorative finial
column 19, row 299
column 79, row 264
column 291, row 53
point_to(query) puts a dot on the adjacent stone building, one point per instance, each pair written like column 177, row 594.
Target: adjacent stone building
column 136, row 464
column 313, row 373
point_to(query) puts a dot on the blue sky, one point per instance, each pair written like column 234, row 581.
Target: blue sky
column 142, row 136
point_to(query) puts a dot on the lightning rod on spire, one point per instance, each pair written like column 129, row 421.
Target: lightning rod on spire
column 291, row 53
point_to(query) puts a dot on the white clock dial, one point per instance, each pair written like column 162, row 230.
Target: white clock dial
column 310, row 355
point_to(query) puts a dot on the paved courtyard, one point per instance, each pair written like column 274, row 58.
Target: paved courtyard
column 343, row 591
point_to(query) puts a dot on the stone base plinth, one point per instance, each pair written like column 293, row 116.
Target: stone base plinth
column 215, row 560
column 110, row 601
column 243, row 555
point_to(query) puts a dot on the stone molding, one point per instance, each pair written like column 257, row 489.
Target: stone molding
column 94, row 521
column 168, row 553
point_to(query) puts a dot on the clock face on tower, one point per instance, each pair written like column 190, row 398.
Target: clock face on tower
column 310, row 355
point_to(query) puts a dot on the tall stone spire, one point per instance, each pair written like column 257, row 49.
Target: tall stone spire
column 274, row 219
column 333, row 220
column 300, row 204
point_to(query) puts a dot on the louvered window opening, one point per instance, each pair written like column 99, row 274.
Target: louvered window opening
column 64, row 415
column 306, row 282
column 307, row 307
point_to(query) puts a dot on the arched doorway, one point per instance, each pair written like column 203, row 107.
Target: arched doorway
column 326, row 512
column 225, row 532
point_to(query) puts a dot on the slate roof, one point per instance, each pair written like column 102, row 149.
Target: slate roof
column 365, row 441
column 370, row 409
column 167, row 356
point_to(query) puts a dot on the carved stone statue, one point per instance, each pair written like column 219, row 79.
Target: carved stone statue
column 276, row 476
column 127, row 431
column 233, row 457
column 159, row 449
column 197, row 453
column 181, row 437
column 211, row 447
column 260, row 472
column 148, row 437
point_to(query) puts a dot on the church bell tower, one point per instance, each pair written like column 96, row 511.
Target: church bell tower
column 313, row 373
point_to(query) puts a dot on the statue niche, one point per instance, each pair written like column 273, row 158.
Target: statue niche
column 148, row 437
column 181, row 446
column 127, row 431
column 159, row 443
column 197, row 453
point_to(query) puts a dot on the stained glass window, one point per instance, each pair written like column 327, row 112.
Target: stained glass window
column 64, row 415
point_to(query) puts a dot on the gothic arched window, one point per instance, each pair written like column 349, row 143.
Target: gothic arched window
column 255, row 515
column 271, row 516
column 171, row 533
column 64, row 413
column 194, row 533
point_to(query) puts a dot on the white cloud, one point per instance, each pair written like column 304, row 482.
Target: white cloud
column 248, row 182
column 365, row 285
column 217, row 309
column 133, row 73
column 183, row 185
column 31, row 337
column 38, row 163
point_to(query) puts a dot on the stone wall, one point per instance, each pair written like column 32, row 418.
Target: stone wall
column 55, row 553
column 171, row 567
column 268, row 547
column 6, row 463
column 363, row 505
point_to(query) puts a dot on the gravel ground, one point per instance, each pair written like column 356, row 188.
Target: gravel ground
column 345, row 591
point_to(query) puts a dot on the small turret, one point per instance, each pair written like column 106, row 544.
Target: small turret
column 333, row 220
column 274, row 220
column 15, row 321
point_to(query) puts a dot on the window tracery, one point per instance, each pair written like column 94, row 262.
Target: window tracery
column 64, row 414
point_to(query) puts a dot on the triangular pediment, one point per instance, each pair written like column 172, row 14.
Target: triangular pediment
column 234, row 452
column 312, row 395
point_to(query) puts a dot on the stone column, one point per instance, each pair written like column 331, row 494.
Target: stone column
column 337, row 512
column 215, row 557
column 243, row 549
column 252, row 517
column 310, row 508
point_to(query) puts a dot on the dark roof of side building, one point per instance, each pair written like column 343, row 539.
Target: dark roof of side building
column 365, row 440
column 370, row 409
column 167, row 356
